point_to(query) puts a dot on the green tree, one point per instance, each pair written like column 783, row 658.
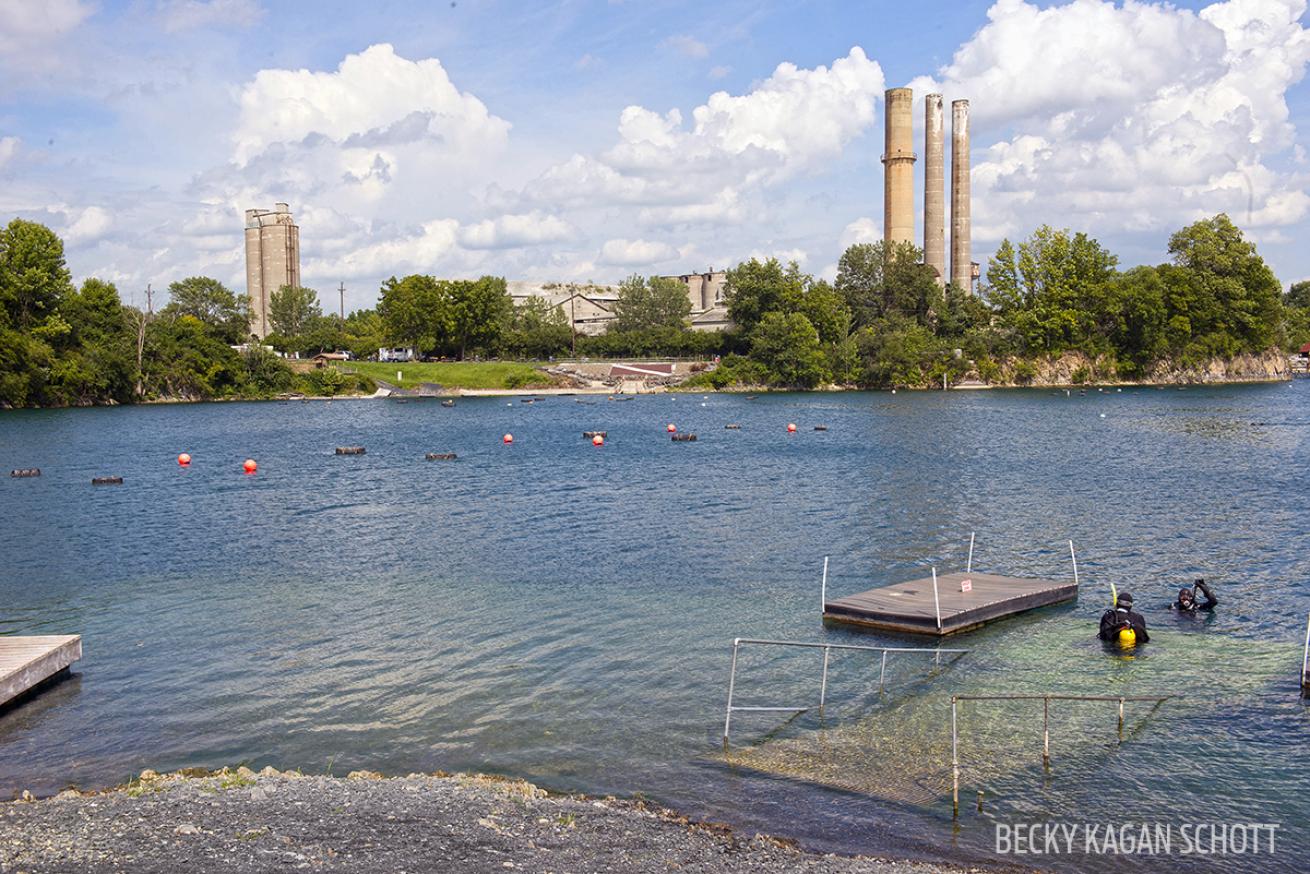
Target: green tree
column 478, row 311
column 415, row 312
column 896, row 351
column 827, row 311
column 537, row 330
column 292, row 309
column 226, row 315
column 887, row 279
column 1223, row 288
column 753, row 289
column 33, row 277
column 788, row 346
column 1053, row 295
column 650, row 304
column 364, row 333
column 1298, row 295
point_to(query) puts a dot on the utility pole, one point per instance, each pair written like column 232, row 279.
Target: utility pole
column 342, row 288
column 142, row 320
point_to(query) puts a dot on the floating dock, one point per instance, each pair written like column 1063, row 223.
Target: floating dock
column 28, row 662
column 911, row 607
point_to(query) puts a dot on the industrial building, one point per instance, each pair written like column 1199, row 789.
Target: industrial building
column 898, row 184
column 272, row 260
column 589, row 308
column 709, row 310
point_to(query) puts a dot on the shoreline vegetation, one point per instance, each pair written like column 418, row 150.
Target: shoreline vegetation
column 1053, row 311
column 245, row 821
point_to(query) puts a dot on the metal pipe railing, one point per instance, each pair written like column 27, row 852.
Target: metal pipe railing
column 739, row 642
column 1046, row 700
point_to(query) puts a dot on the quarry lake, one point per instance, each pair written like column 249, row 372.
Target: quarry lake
column 564, row 612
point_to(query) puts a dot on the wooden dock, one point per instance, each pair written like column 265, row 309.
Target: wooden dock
column 28, row 662
column 910, row 607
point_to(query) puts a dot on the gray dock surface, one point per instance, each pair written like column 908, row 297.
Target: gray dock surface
column 908, row 607
column 27, row 662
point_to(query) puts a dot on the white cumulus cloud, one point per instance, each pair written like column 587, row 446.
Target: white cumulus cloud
column 375, row 97
column 91, row 224
column 1138, row 116
column 635, row 253
column 28, row 25
column 510, row 231
column 8, row 148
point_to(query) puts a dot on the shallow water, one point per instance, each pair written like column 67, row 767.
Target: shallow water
column 564, row 612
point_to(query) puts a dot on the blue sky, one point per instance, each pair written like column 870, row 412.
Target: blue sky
column 589, row 140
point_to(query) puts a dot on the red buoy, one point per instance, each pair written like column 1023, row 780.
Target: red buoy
column 250, row 466
column 672, row 428
column 791, row 427
column 508, row 438
column 184, row 459
column 598, row 440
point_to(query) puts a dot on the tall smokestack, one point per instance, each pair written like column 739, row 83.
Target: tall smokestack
column 961, row 226
column 934, row 187
column 898, row 168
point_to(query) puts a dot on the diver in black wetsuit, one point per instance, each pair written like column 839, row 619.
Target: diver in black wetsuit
column 1187, row 603
column 1122, row 618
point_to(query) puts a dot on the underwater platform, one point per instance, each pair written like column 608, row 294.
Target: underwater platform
column 912, row 608
column 27, row 663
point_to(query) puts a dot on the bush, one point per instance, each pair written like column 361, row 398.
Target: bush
column 1080, row 374
column 1025, row 372
column 526, row 380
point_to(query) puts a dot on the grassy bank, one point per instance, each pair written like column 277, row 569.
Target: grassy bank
column 456, row 374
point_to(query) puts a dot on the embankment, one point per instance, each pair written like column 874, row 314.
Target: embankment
column 240, row 821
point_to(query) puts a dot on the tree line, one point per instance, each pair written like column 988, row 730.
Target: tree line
column 884, row 321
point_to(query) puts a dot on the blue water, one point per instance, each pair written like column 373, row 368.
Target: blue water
column 564, row 613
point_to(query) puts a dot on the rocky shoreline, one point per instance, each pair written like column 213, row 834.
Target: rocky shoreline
column 242, row 821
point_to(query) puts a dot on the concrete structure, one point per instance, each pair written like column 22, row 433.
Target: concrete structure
column 272, row 260
column 934, row 187
column 898, row 167
column 28, row 664
column 962, row 270
column 588, row 307
column 709, row 310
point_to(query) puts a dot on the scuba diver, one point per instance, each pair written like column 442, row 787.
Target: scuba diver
column 1187, row 603
column 1122, row 626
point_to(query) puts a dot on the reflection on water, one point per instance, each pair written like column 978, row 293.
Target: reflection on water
column 565, row 612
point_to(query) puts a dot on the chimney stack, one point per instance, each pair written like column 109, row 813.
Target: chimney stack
column 934, row 187
column 961, row 228
column 898, row 167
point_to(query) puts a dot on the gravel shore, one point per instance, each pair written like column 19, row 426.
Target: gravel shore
column 240, row 821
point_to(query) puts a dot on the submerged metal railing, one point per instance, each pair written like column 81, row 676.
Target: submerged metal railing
column 738, row 642
column 1046, row 725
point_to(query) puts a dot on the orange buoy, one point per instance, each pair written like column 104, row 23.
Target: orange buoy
column 791, row 427
column 250, row 466
column 184, row 459
column 508, row 438
column 672, row 427
column 598, row 440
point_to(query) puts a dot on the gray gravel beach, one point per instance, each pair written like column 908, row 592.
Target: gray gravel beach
column 237, row 820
